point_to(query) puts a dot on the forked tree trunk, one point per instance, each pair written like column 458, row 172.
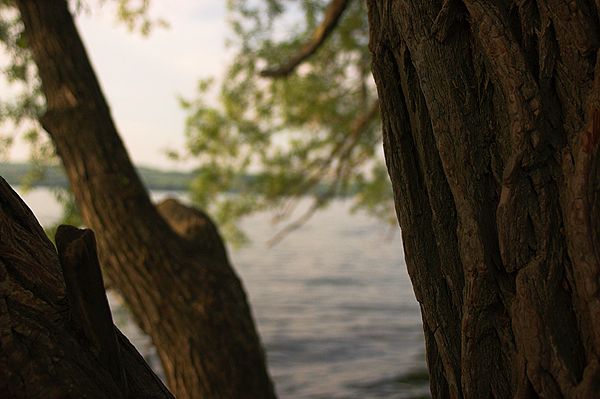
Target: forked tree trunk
column 491, row 127
column 183, row 292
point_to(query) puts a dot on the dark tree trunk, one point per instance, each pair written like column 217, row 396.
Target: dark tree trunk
column 57, row 338
column 491, row 125
column 183, row 292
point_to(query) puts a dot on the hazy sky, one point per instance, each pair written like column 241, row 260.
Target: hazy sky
column 141, row 77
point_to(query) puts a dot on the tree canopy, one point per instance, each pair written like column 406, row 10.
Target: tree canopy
column 296, row 115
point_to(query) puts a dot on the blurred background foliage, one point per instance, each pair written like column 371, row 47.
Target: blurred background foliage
column 311, row 129
column 296, row 114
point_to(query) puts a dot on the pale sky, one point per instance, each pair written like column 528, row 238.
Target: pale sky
column 141, row 77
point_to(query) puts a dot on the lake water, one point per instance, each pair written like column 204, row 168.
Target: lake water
column 333, row 304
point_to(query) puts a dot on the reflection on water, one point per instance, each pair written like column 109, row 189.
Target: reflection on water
column 333, row 304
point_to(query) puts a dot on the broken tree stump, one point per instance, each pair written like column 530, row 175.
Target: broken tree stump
column 57, row 338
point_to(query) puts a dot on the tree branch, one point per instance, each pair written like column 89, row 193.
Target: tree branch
column 332, row 16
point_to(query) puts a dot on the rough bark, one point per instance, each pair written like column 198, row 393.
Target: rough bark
column 57, row 338
column 491, row 125
column 184, row 295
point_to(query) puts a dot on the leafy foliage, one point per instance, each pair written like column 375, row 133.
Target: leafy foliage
column 135, row 15
column 317, row 126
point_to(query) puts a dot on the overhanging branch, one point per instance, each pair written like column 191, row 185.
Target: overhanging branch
column 332, row 16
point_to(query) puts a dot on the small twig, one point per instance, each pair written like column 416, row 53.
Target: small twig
column 319, row 202
column 343, row 147
column 294, row 226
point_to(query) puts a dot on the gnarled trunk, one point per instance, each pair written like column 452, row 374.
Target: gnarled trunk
column 491, row 123
column 183, row 293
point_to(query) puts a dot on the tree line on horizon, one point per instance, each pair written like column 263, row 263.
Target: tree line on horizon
column 30, row 175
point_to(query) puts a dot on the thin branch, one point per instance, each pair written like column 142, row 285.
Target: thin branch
column 319, row 202
column 300, row 221
column 332, row 16
column 344, row 147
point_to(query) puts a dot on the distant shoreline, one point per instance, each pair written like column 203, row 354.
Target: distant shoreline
column 154, row 179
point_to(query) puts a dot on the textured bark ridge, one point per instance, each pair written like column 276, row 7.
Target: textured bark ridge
column 57, row 337
column 186, row 297
column 491, row 130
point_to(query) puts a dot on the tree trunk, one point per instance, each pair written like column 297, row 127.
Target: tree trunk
column 183, row 292
column 57, row 337
column 491, row 125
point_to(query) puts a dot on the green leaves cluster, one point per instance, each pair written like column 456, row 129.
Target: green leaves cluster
column 273, row 141
column 135, row 15
column 270, row 141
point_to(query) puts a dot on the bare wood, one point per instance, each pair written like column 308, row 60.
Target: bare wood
column 332, row 15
